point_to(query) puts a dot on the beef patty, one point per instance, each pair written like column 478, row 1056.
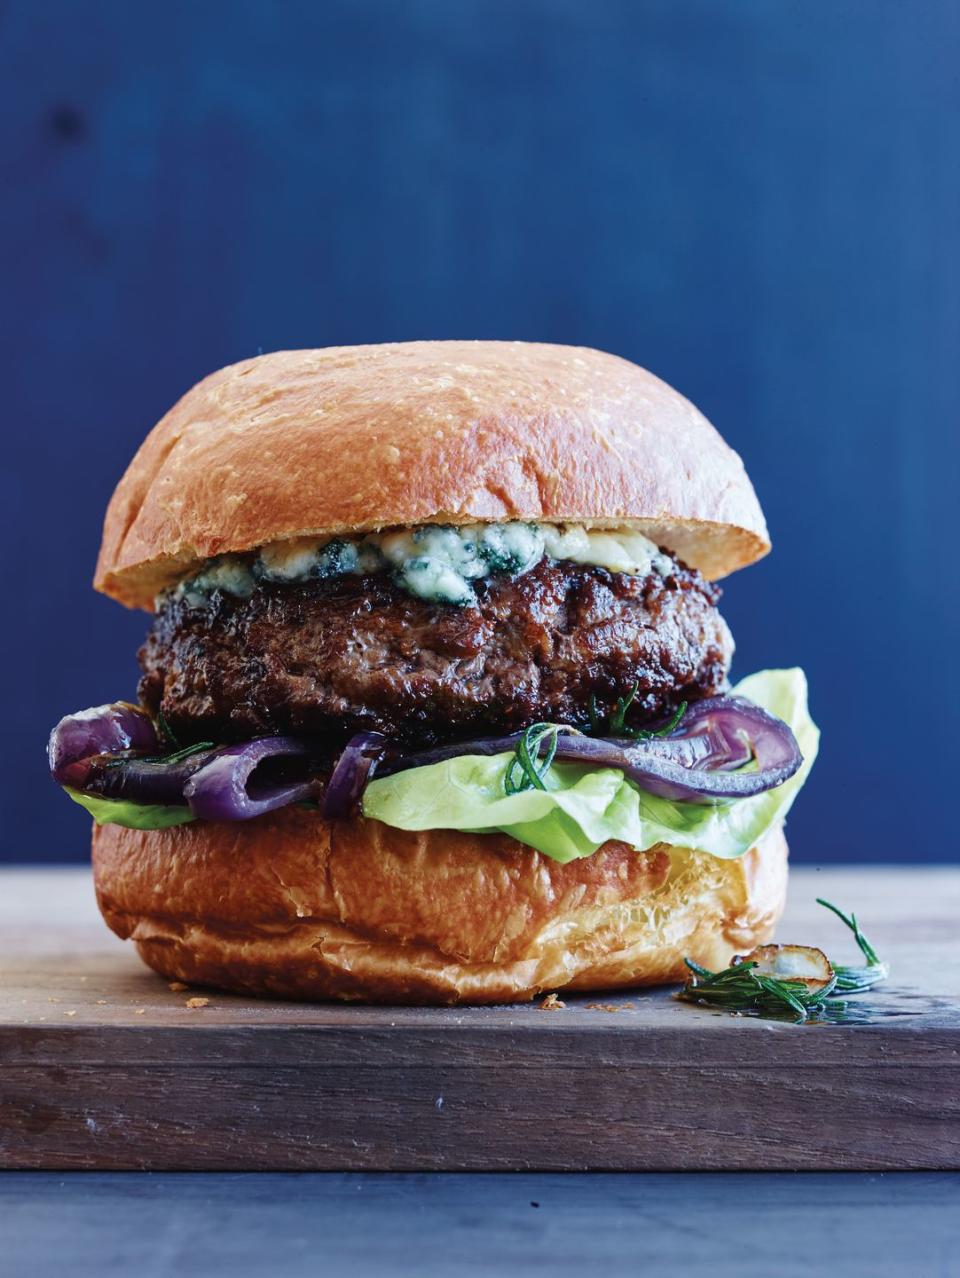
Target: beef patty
column 326, row 658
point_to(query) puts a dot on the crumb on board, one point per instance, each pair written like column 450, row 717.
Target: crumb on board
column 139, row 1011
column 101, row 1002
column 197, row 1002
column 178, row 987
column 552, row 1004
column 73, row 1013
column 603, row 1007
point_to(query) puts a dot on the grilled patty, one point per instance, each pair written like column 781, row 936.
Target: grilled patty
column 326, row 658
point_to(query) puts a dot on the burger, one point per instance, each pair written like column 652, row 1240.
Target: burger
column 434, row 704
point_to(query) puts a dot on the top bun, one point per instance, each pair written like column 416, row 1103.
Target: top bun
column 360, row 438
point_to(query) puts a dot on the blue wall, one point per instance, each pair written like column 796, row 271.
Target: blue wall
column 757, row 199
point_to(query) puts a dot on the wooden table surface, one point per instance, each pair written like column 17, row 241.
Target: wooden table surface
column 103, row 1066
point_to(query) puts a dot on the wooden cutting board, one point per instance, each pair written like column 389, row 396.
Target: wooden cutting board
column 103, row 1066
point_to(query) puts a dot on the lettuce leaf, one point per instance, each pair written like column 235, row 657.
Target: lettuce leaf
column 136, row 816
column 583, row 807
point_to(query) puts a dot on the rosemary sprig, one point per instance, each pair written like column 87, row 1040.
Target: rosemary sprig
column 672, row 723
column 742, row 988
column 526, row 770
column 616, row 723
column 176, row 757
column 166, row 732
column 851, row 980
column 617, row 726
column 179, row 752
column 527, row 761
column 596, row 718
column 183, row 753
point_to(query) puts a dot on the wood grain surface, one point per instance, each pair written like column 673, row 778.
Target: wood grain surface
column 103, row 1066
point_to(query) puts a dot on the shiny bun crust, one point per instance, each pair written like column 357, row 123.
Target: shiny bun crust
column 359, row 438
column 294, row 906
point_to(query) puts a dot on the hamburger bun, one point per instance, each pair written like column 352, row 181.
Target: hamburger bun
column 357, row 439
column 294, row 906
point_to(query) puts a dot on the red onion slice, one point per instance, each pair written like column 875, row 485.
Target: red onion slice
column 234, row 785
column 694, row 764
column 353, row 770
column 134, row 779
column 101, row 751
column 99, row 730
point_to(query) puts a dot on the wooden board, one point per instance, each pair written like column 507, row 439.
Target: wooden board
column 103, row 1066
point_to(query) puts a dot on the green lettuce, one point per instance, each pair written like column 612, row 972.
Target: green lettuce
column 583, row 807
column 136, row 816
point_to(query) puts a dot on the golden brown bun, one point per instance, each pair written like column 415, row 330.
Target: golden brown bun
column 359, row 438
column 292, row 905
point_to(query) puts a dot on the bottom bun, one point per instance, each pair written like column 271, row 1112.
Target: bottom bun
column 294, row 906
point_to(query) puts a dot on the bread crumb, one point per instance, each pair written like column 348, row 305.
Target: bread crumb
column 178, row 987
column 70, row 1013
column 101, row 1002
column 197, row 1002
column 139, row 1011
column 551, row 1004
column 602, row 1007
column 52, row 999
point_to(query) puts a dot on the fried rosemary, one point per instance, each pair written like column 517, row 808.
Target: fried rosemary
column 743, row 988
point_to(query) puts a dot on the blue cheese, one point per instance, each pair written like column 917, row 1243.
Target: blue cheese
column 226, row 573
column 619, row 550
column 293, row 560
column 430, row 578
column 435, row 562
column 304, row 557
column 512, row 548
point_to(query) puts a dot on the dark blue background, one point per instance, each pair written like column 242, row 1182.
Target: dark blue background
column 757, row 199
